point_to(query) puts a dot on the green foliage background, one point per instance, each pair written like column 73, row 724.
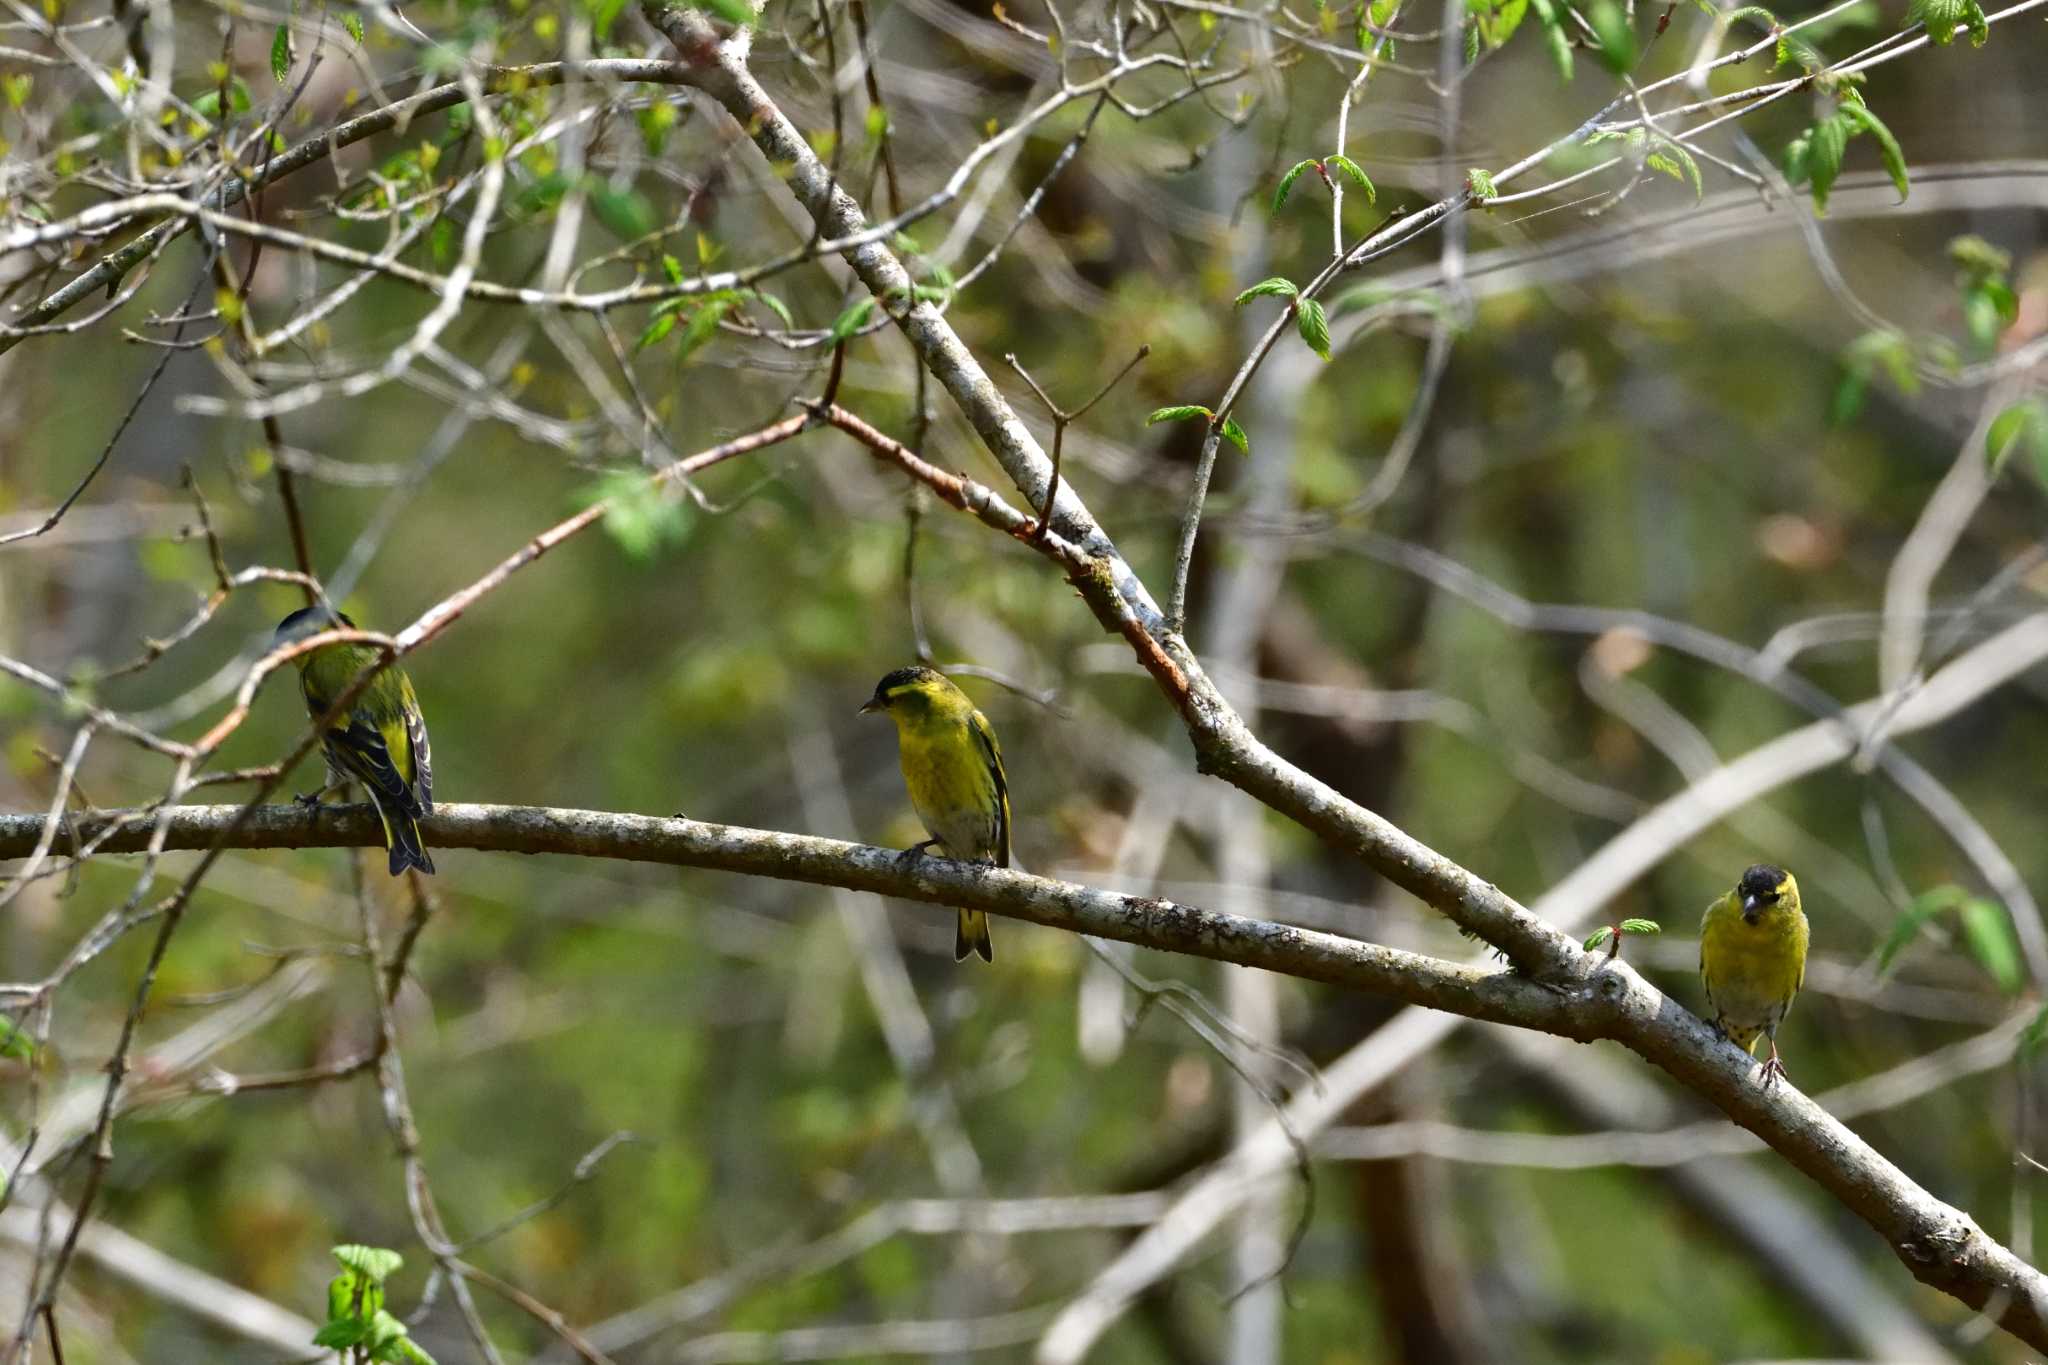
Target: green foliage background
column 1654, row 434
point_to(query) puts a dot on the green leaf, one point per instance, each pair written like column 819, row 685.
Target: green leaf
column 1794, row 50
column 656, row 332
column 1982, row 318
column 2025, row 423
column 672, row 268
column 1979, row 259
column 1555, row 39
column 625, row 212
column 1830, row 141
column 1859, row 116
column 1849, row 396
column 374, row 1264
column 207, row 106
column 1368, row 41
column 851, row 321
column 281, row 53
column 655, row 122
column 1987, row 930
column 1351, row 168
column 342, row 1333
column 1498, row 19
column 1314, row 326
column 1379, row 14
column 1179, row 413
column 704, row 324
column 1614, row 34
column 384, row 1330
column 732, row 11
column 1276, row 287
column 1907, row 926
column 341, row 1295
column 1599, row 936
column 1891, row 349
column 1886, row 349
column 1798, row 155
column 640, row 515
column 1641, row 926
column 1674, row 160
column 406, row 1351
column 1287, row 182
column 1817, row 157
column 1234, row 434
column 1480, row 182
column 15, row 1041
column 353, row 22
column 1943, row 17
column 1756, row 14
column 773, row 305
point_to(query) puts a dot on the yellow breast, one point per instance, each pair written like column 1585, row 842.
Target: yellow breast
column 954, row 791
column 1751, row 970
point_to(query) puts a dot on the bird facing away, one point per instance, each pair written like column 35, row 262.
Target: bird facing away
column 380, row 741
column 1753, row 959
column 955, row 774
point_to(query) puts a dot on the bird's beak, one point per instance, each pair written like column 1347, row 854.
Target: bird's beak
column 1751, row 908
column 870, row 706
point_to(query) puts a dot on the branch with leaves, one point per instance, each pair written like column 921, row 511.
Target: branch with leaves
column 520, row 146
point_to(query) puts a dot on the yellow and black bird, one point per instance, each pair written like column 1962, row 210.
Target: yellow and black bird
column 955, row 774
column 380, row 741
column 1753, row 959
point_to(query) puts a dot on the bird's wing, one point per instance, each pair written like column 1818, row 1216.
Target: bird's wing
column 422, row 752
column 992, row 754
column 364, row 749
column 361, row 747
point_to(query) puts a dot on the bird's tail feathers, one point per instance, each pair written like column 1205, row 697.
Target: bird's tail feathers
column 970, row 936
column 402, row 838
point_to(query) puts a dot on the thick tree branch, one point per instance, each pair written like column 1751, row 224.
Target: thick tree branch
column 1593, row 883
column 1166, row 925
column 1940, row 1244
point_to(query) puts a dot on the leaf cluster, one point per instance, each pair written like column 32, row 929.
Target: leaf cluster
column 1989, row 304
column 357, row 1321
column 1944, row 17
column 1983, row 926
column 1814, row 158
column 641, row 515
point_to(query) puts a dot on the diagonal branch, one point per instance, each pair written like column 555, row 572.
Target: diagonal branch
column 1166, row 925
column 1224, row 745
column 1939, row 1244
